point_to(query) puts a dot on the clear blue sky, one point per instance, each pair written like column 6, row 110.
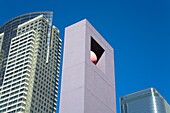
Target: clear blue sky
column 138, row 30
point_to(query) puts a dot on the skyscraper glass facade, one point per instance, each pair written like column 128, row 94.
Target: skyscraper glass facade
column 30, row 62
column 145, row 101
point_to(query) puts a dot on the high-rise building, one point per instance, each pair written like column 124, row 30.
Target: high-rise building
column 30, row 50
column 145, row 101
column 88, row 82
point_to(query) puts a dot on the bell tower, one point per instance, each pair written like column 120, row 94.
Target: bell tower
column 88, row 80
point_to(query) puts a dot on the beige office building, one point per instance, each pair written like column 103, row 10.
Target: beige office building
column 30, row 50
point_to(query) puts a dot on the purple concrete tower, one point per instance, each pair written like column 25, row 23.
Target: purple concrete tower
column 88, row 80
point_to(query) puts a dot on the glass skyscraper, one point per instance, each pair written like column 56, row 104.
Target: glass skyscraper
column 30, row 50
column 145, row 101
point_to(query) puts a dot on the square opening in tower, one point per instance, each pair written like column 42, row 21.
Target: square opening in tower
column 96, row 51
